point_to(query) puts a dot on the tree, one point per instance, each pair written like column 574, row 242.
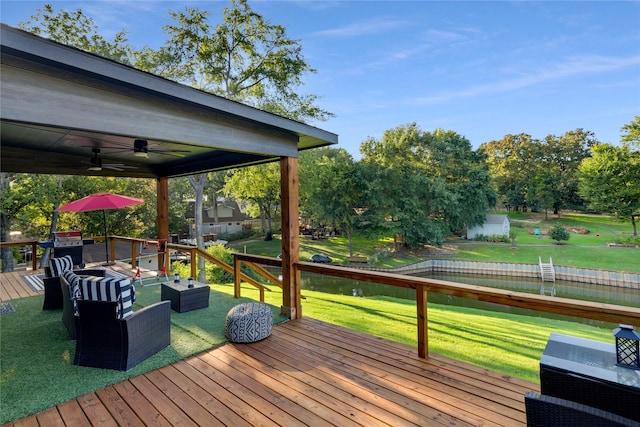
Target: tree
column 511, row 162
column 609, row 181
column 561, row 157
column 244, row 58
column 28, row 203
column 421, row 185
column 331, row 189
column 559, row 233
column 529, row 173
column 78, row 30
column 631, row 133
column 260, row 186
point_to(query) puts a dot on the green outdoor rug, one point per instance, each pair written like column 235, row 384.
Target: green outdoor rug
column 37, row 369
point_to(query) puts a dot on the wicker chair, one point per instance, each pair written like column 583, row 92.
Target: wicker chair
column 104, row 341
column 547, row 411
column 53, row 297
column 68, row 312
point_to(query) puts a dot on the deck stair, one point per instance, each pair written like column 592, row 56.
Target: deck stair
column 548, row 274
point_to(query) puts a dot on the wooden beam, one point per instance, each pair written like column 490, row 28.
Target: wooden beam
column 162, row 203
column 291, row 305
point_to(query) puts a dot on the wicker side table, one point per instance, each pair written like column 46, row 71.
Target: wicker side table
column 184, row 298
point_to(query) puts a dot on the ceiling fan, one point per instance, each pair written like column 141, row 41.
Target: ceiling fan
column 141, row 149
column 95, row 163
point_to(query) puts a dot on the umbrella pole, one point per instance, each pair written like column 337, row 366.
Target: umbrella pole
column 106, row 241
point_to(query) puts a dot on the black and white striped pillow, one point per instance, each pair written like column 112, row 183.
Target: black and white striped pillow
column 74, row 288
column 110, row 289
column 60, row 265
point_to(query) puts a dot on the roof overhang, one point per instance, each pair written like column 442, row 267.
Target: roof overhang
column 60, row 103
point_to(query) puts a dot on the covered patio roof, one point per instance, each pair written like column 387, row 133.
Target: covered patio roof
column 60, row 105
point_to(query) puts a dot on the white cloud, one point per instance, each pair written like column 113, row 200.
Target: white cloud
column 359, row 29
column 571, row 67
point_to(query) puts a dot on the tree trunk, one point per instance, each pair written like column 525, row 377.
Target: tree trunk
column 44, row 260
column 198, row 185
column 268, row 234
column 6, row 254
column 633, row 225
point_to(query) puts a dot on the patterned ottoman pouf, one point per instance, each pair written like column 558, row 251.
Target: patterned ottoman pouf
column 249, row 322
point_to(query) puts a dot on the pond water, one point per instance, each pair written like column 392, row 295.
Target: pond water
column 575, row 290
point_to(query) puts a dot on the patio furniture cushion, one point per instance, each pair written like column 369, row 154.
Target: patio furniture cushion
column 249, row 322
column 109, row 289
column 73, row 281
column 60, row 265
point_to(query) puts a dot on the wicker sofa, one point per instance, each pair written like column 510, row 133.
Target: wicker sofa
column 548, row 411
column 108, row 333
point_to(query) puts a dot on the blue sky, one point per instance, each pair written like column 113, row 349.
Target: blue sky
column 481, row 69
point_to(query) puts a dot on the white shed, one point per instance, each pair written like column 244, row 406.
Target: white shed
column 494, row 225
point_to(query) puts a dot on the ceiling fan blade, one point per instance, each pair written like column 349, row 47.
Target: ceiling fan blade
column 175, row 153
column 117, row 166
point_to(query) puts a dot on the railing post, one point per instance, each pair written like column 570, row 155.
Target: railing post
column 236, row 279
column 34, row 264
column 423, row 332
column 194, row 265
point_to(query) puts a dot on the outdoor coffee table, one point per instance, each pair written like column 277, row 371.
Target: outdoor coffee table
column 585, row 371
column 184, row 298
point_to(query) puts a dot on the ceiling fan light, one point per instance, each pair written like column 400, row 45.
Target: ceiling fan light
column 141, row 148
column 96, row 164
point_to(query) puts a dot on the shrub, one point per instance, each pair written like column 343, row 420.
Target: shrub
column 559, row 233
column 493, row 238
column 215, row 274
column 628, row 240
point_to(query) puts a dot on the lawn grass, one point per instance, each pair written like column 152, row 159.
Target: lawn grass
column 507, row 343
column 581, row 250
column 616, row 259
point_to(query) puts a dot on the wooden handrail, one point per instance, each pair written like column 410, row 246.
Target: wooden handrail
column 193, row 251
column 584, row 309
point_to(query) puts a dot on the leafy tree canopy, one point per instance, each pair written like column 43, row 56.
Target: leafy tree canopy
column 609, row 181
column 78, row 30
column 422, row 185
column 631, row 133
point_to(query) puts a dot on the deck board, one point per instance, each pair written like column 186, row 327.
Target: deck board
column 307, row 373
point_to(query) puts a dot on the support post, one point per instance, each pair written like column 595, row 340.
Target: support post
column 291, row 306
column 162, row 209
column 236, row 277
column 423, row 330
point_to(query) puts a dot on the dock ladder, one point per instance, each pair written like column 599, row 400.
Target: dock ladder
column 548, row 274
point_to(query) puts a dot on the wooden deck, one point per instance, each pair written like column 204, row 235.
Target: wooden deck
column 306, row 373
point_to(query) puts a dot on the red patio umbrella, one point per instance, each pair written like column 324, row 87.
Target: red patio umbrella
column 101, row 201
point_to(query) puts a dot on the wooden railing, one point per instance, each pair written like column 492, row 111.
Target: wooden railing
column 570, row 307
column 583, row 309
column 194, row 252
column 34, row 247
